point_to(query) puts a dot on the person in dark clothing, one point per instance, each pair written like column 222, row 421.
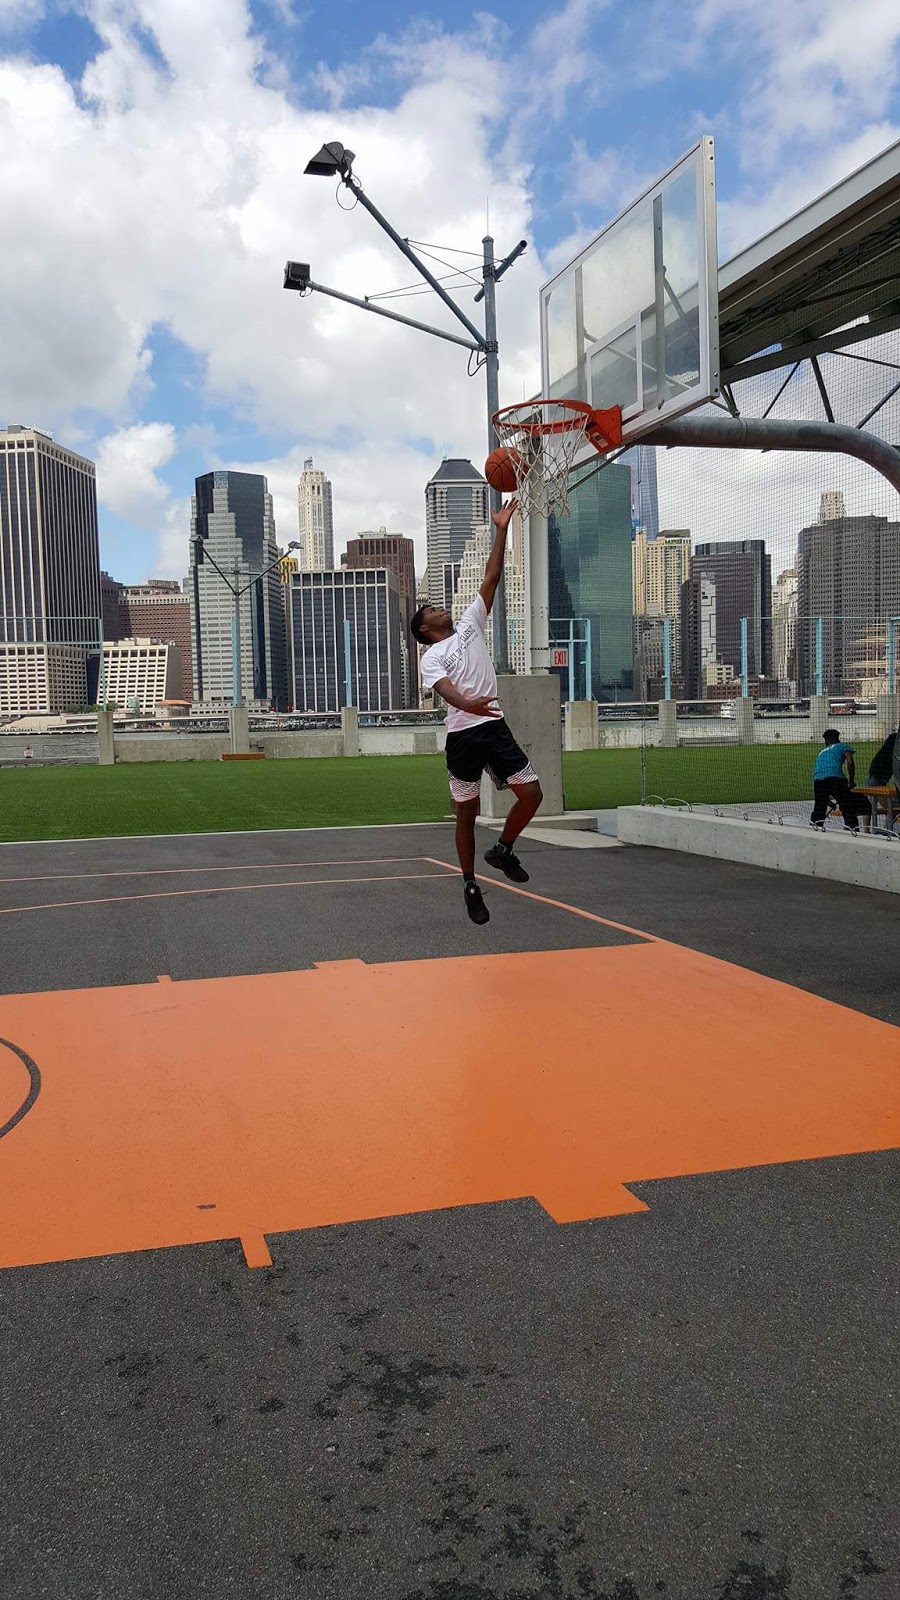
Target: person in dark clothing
column 829, row 782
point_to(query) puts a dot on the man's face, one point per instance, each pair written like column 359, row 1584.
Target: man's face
column 434, row 621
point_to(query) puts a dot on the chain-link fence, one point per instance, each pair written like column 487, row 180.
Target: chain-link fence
column 767, row 600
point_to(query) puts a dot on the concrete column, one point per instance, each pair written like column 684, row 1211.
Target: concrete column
column 668, row 724
column 818, row 715
column 887, row 714
column 531, row 707
column 239, row 729
column 350, row 730
column 743, row 716
column 581, row 725
column 106, row 741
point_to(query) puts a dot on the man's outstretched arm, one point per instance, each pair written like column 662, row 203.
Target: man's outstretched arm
column 493, row 570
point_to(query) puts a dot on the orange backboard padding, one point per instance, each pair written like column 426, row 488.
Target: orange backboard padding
column 174, row 1113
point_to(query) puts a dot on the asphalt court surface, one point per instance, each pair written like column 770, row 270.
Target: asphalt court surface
column 349, row 1249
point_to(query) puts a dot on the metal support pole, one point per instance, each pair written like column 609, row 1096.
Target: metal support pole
column 539, row 593
column 588, row 663
column 892, row 654
column 745, row 657
column 492, row 376
column 237, row 687
column 667, row 656
column 659, row 278
column 571, row 658
column 819, row 656
column 348, row 666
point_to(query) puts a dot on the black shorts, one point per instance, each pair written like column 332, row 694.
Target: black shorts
column 488, row 747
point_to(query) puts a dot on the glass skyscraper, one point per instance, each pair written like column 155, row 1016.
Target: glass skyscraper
column 232, row 515
column 590, row 579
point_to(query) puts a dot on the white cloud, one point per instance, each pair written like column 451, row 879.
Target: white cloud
column 18, row 15
column 172, row 195
column 128, row 461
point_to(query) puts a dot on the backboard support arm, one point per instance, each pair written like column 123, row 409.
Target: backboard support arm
column 771, row 433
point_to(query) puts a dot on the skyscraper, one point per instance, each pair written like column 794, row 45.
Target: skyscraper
column 590, row 577
column 456, row 503
column 373, row 550
column 320, row 603
column 784, row 630
column 315, row 517
column 831, row 505
column 469, row 580
column 740, row 573
column 641, row 461
column 50, row 606
column 848, row 575
column 232, row 515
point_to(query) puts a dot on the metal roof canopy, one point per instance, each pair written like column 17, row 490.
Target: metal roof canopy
column 836, row 262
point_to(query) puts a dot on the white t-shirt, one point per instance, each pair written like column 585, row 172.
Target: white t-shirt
column 464, row 659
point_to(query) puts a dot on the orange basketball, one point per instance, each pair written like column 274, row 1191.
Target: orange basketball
column 500, row 469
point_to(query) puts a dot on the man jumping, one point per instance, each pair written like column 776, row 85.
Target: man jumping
column 457, row 665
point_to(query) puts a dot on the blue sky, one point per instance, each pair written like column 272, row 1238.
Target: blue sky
column 153, row 155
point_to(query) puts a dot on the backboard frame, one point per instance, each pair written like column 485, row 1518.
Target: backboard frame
column 639, row 415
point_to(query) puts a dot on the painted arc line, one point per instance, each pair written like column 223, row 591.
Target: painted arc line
column 171, row 872
column 236, row 888
column 559, row 905
column 34, row 1089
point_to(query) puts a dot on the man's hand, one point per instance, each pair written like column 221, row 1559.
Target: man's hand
column 481, row 707
column 502, row 518
column 475, row 706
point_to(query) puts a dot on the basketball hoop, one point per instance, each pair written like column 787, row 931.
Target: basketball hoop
column 544, row 438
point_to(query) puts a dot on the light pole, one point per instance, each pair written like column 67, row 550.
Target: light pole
column 334, row 161
column 201, row 554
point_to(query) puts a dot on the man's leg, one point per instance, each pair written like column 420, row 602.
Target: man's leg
column 822, row 788
column 846, row 803
column 466, row 814
column 528, row 798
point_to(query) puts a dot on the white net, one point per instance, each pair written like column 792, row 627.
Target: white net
column 544, row 437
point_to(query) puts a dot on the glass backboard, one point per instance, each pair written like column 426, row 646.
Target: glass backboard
column 633, row 320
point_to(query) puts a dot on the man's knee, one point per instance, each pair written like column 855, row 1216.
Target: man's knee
column 467, row 810
column 531, row 793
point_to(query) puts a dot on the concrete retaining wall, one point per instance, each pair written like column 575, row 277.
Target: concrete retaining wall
column 868, row 863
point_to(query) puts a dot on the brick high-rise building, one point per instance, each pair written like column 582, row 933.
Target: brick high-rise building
column 159, row 609
column 371, row 551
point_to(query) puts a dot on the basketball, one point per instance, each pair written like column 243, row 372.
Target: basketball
column 500, row 469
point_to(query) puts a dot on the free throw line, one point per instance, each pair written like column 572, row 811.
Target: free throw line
column 171, row 872
column 237, row 888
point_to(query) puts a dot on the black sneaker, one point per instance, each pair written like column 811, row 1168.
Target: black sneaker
column 475, row 905
column 502, row 858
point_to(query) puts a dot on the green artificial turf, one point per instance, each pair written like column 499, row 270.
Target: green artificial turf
column 217, row 796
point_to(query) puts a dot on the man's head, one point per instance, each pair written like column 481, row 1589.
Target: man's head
column 831, row 736
column 431, row 623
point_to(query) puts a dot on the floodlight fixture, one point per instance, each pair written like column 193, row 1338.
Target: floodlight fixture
column 332, row 161
column 296, row 275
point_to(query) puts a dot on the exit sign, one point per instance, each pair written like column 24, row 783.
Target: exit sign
column 559, row 657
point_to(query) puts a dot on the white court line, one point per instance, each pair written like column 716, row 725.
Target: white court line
column 232, row 833
column 237, row 888
column 171, row 872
